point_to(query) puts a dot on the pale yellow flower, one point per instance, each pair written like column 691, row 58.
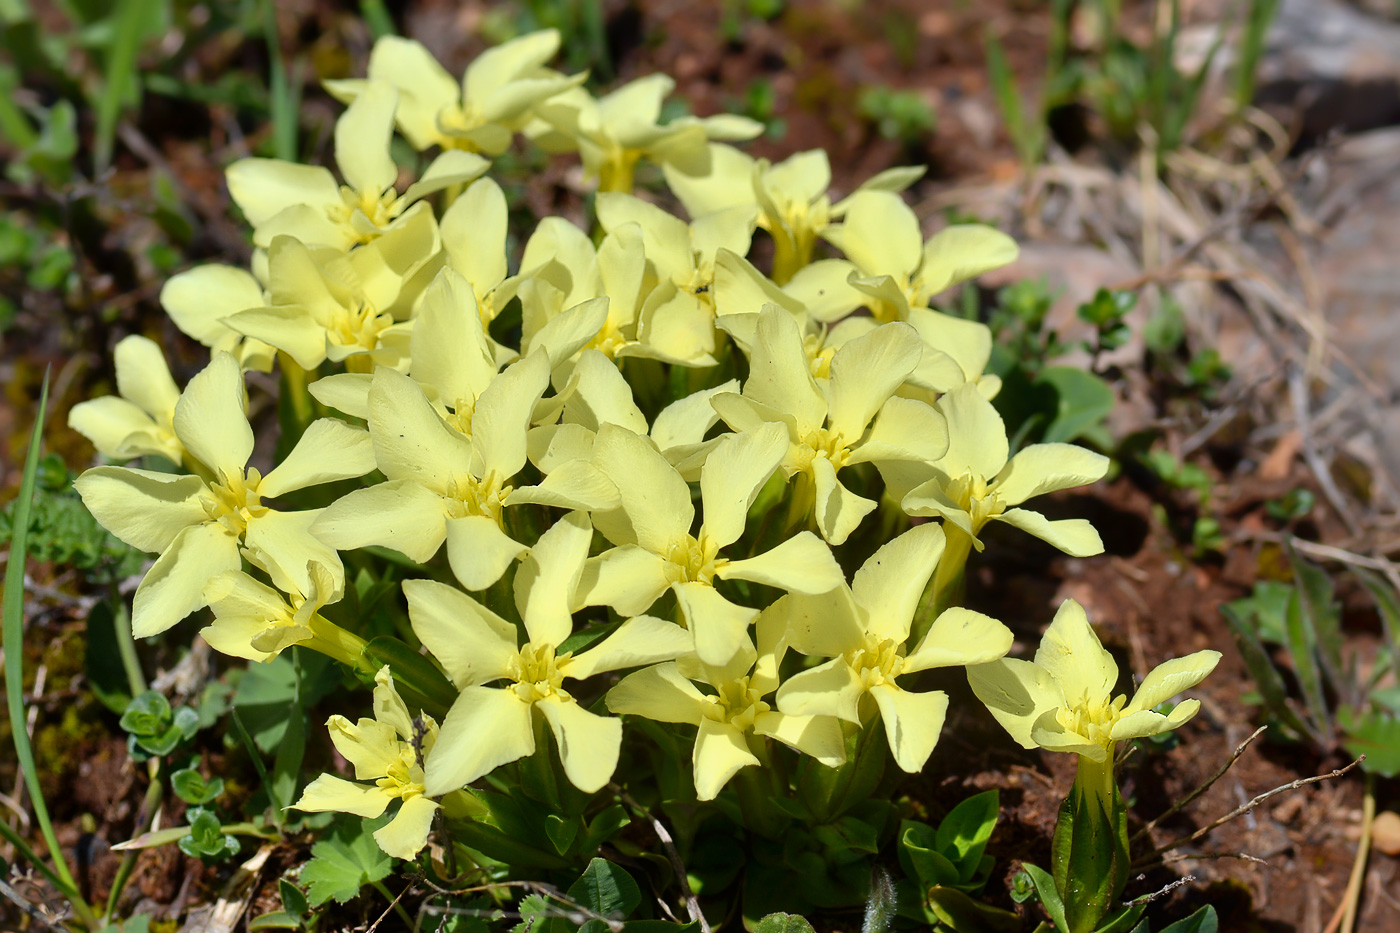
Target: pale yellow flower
column 200, row 525
column 829, row 421
column 304, row 201
column 139, row 420
column 975, row 482
column 863, row 629
column 384, row 750
column 1063, row 700
column 656, row 550
column 734, row 719
column 254, row 621
column 491, row 726
column 479, row 114
column 198, row 300
column 353, row 308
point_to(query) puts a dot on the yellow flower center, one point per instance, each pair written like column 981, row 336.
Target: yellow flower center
column 877, row 661
column 236, row 500
column 1093, row 721
column 609, row 340
column 358, row 325
column 405, row 777
column 823, row 442
column 818, row 356
column 694, row 560
column 977, row 498
column 467, row 495
column 378, row 208
column 454, row 121
column 535, row 671
column 738, row 703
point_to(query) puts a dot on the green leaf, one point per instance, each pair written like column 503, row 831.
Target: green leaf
column 141, row 923
column 293, row 898
column 206, row 838
column 963, row 834
column 103, row 661
column 848, row 834
column 783, row 923
column 561, row 832
column 1374, row 734
column 191, row 787
column 1049, row 896
column 920, row 857
column 1090, row 852
column 1202, row 921
column 419, row 682
column 1316, row 599
column 1387, row 607
column 277, row 920
column 960, row 911
column 1083, row 400
column 345, row 861
column 1266, row 676
column 147, row 715
column 606, row 889
column 604, row 826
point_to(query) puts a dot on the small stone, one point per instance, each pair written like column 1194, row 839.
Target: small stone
column 1385, row 832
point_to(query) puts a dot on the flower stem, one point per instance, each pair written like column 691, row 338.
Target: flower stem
column 335, row 642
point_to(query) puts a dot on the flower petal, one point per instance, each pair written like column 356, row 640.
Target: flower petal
column 733, row 474
column 547, row 579
column 640, row 640
column 411, row 441
column 960, row 637
column 362, row 136
column 484, row 729
column 658, row 693
column 1169, row 678
column 779, row 374
column 817, row 736
column 143, row 508
column 880, row 234
column 502, row 415
column 912, row 722
column 449, row 347
column 1042, row 468
column 865, row 372
column 330, row 450
column 890, row 583
column 329, row 792
column 825, row 625
column 473, row 644
column 210, row 420
column 657, row 512
column 977, row 442
column 1017, row 693
column 963, row 251
column 837, row 510
column 830, row 689
column 197, row 298
column 398, row 514
column 478, row 551
column 720, row 627
column 407, row 833
column 628, row 578
column 174, row 586
column 1072, row 654
column 282, row 544
column 801, row 564
column 720, row 752
column 264, row 187
column 1075, row 536
column 588, row 743
column 474, row 236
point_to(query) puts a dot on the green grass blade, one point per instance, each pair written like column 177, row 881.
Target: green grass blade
column 119, row 81
column 285, row 96
column 13, row 627
column 377, row 17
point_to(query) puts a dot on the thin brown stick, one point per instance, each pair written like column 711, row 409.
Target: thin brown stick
column 1186, row 801
column 1186, row 857
column 1162, row 892
column 1242, row 810
column 1352, row 897
column 692, row 903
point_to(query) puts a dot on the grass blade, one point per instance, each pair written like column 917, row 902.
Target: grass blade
column 13, row 628
column 119, row 81
column 285, row 94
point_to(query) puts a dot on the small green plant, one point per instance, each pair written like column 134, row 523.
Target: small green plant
column 1205, row 534
column 1325, row 700
column 902, row 115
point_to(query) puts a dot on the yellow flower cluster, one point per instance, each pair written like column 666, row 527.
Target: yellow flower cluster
column 693, row 540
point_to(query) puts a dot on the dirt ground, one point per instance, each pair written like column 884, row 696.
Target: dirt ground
column 1282, row 867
